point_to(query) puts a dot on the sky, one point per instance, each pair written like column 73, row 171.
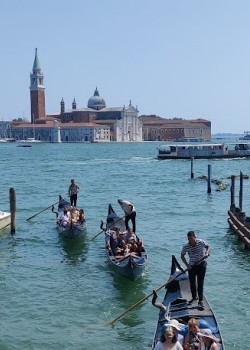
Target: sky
column 172, row 58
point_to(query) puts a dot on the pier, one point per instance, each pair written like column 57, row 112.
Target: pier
column 239, row 223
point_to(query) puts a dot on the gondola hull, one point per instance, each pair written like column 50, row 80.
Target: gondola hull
column 72, row 230
column 176, row 302
column 131, row 265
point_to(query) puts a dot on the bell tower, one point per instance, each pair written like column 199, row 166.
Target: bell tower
column 37, row 92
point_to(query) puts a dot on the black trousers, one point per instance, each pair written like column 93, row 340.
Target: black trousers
column 131, row 217
column 196, row 278
column 73, row 199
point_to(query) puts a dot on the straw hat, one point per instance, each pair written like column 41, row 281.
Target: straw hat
column 172, row 323
column 206, row 333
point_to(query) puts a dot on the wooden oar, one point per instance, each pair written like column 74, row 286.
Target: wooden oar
column 31, row 217
column 146, row 297
column 105, row 228
column 149, row 295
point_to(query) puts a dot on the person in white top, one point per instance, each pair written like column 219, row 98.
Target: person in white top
column 168, row 341
column 64, row 217
column 130, row 235
column 130, row 213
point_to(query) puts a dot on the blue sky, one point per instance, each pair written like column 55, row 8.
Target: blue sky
column 179, row 58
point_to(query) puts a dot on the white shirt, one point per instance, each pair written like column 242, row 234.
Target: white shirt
column 64, row 217
column 163, row 346
column 126, row 206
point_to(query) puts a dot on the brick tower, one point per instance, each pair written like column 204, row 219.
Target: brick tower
column 37, row 92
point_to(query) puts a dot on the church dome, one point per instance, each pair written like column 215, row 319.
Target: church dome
column 96, row 101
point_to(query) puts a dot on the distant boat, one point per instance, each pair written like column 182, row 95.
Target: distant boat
column 246, row 136
column 204, row 151
column 191, row 139
column 28, row 142
column 24, row 145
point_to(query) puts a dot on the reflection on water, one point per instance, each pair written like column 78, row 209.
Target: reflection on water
column 128, row 294
column 74, row 250
column 241, row 253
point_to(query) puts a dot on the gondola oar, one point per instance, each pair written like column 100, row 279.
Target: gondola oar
column 113, row 223
column 149, row 295
column 31, row 217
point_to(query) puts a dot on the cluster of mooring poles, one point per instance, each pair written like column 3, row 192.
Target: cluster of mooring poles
column 239, row 223
column 220, row 184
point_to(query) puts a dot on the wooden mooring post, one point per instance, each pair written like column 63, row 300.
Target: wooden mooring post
column 192, row 167
column 209, row 178
column 232, row 191
column 241, row 191
column 12, row 195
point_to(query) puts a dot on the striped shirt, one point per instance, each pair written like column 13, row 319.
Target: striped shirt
column 196, row 252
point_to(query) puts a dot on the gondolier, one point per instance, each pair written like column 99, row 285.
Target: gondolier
column 130, row 213
column 73, row 190
column 197, row 250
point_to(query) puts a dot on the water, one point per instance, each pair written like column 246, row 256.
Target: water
column 61, row 294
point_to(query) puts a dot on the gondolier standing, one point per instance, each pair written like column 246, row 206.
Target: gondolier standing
column 73, row 190
column 130, row 213
column 197, row 250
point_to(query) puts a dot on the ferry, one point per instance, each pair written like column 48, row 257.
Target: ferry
column 246, row 136
column 204, row 151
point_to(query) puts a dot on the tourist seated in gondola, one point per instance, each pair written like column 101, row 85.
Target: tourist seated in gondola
column 120, row 246
column 130, row 235
column 81, row 217
column 64, row 217
column 168, row 340
column 133, row 246
column 208, row 340
column 191, row 339
column 114, row 242
column 74, row 215
column 136, row 246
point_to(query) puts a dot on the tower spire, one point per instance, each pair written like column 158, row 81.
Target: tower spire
column 37, row 91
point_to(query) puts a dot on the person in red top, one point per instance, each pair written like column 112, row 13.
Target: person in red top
column 130, row 213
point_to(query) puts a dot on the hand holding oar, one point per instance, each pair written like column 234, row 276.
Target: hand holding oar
column 105, row 228
column 156, row 290
column 31, row 217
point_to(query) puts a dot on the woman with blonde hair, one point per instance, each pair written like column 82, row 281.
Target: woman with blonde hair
column 191, row 340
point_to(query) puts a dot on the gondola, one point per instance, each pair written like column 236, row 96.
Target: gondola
column 73, row 229
column 176, row 306
column 129, row 265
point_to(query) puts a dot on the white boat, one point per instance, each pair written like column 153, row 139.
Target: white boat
column 5, row 219
column 30, row 140
column 204, row 151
